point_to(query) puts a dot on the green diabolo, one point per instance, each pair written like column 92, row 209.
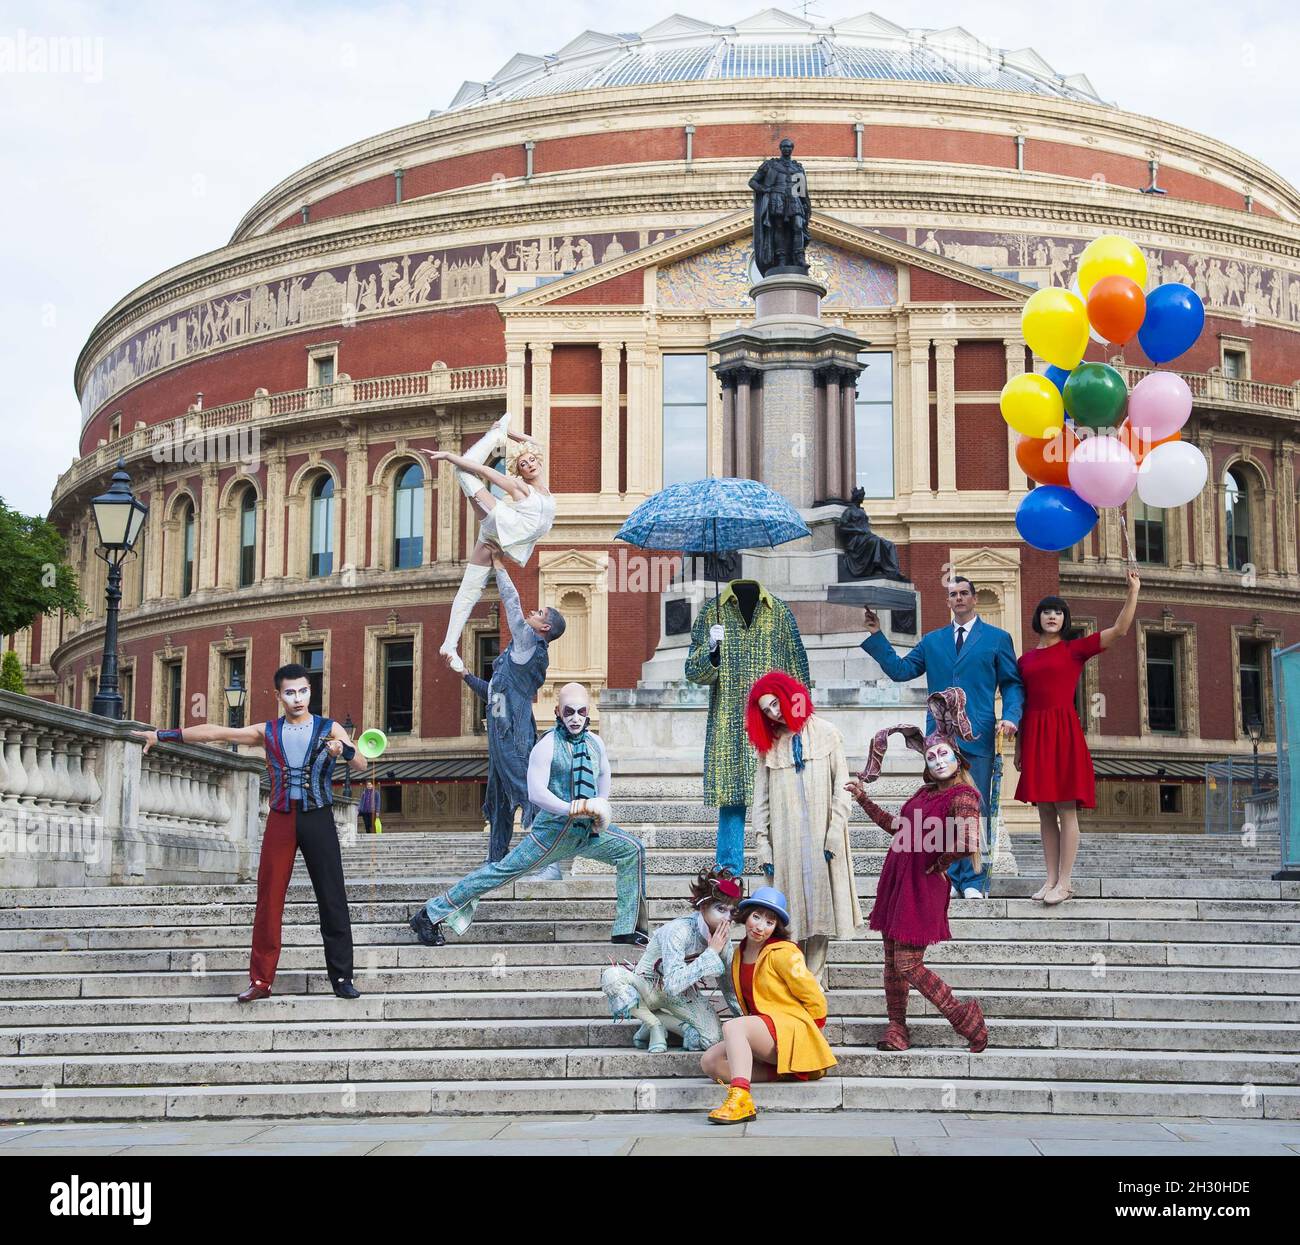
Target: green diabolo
column 1095, row 395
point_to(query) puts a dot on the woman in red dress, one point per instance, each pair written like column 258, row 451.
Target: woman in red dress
column 1053, row 759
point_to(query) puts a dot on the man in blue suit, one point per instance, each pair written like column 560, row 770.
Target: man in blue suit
column 981, row 660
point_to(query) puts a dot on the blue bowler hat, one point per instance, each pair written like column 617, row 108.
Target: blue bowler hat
column 767, row 897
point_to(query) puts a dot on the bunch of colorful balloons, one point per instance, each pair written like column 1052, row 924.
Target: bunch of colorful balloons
column 1076, row 442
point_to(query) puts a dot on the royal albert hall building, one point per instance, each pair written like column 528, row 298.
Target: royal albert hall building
column 565, row 241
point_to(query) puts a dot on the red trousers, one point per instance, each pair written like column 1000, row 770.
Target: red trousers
column 312, row 831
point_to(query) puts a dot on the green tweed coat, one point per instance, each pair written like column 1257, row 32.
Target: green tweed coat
column 770, row 642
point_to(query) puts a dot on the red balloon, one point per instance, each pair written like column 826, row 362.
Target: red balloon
column 1116, row 308
column 1046, row 460
column 1138, row 445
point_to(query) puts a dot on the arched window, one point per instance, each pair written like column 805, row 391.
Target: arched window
column 187, row 546
column 322, row 526
column 1236, row 506
column 408, row 517
column 247, row 537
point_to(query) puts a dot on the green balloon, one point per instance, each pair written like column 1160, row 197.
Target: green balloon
column 1095, row 395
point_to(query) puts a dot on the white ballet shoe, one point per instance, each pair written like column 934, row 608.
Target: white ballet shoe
column 453, row 658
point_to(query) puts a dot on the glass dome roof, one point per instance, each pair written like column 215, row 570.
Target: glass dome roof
column 774, row 44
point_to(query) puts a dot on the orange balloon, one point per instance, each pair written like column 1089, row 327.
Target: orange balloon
column 1046, row 460
column 1138, row 445
column 1116, row 308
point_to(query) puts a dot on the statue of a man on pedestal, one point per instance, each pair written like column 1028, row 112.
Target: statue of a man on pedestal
column 781, row 212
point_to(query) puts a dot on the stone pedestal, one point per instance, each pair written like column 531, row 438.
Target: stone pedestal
column 788, row 386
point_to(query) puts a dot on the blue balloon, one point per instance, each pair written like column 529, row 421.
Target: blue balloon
column 1174, row 319
column 1058, row 376
column 1051, row 517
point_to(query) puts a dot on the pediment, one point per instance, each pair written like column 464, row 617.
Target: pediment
column 717, row 252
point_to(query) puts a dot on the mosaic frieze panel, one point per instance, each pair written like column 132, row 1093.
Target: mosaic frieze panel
column 721, row 278
column 1226, row 284
column 342, row 294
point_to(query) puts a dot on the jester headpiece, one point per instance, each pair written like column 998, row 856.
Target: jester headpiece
column 951, row 725
column 716, row 884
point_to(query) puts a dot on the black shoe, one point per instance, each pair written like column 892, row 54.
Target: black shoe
column 426, row 931
column 345, row 990
column 638, row 938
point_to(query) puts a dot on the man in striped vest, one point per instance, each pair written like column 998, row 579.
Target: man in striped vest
column 301, row 748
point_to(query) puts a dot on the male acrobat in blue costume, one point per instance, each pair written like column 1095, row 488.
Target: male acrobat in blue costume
column 517, row 675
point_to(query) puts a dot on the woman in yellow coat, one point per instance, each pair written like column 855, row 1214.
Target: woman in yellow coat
column 783, row 1011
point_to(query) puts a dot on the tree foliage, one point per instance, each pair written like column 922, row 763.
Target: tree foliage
column 35, row 576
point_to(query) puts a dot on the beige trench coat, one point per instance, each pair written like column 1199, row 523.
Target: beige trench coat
column 797, row 818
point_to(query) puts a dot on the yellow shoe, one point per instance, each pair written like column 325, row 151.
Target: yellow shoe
column 738, row 1108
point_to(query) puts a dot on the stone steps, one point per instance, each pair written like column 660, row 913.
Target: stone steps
column 1172, row 995
column 359, row 1035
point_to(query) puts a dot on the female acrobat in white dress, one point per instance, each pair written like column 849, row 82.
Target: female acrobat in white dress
column 512, row 524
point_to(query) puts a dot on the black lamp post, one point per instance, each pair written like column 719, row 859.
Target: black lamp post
column 236, row 694
column 1255, row 729
column 119, row 516
column 349, row 726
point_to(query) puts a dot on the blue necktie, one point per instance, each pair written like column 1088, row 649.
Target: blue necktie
column 961, row 638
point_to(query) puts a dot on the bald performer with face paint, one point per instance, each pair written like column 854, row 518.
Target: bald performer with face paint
column 568, row 784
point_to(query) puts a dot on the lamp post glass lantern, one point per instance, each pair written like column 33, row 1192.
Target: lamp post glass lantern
column 350, row 727
column 119, row 518
column 1255, row 729
column 236, row 694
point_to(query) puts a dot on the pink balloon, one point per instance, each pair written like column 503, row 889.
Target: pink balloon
column 1159, row 405
column 1103, row 470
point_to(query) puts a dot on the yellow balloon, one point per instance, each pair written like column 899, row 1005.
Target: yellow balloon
column 1055, row 324
column 1111, row 256
column 1032, row 405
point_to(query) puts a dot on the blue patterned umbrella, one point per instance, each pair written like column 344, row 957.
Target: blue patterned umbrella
column 712, row 515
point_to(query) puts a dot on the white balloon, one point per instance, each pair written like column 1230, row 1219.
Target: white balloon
column 1092, row 332
column 1172, row 474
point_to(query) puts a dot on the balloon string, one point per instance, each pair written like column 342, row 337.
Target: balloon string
column 1123, row 536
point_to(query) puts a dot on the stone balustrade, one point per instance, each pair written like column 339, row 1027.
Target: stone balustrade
column 82, row 805
column 267, row 411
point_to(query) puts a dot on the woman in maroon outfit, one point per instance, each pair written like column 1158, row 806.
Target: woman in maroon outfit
column 939, row 824
column 1051, row 755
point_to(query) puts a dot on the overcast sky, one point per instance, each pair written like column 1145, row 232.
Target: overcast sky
column 184, row 114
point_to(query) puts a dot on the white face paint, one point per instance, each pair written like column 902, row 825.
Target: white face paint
column 770, row 707
column 572, row 711
column 941, row 761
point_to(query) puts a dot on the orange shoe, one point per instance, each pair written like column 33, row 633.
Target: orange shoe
column 738, row 1109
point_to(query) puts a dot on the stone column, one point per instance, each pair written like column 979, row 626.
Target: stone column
column 848, row 436
column 541, row 430
column 1205, row 507
column 729, row 455
column 208, row 551
column 1285, row 459
column 919, row 418
column 448, row 494
column 945, row 353
column 611, row 354
column 514, row 386
column 641, row 426
column 1017, row 481
column 354, row 536
column 274, row 536
column 828, row 453
column 153, row 550
column 747, row 380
